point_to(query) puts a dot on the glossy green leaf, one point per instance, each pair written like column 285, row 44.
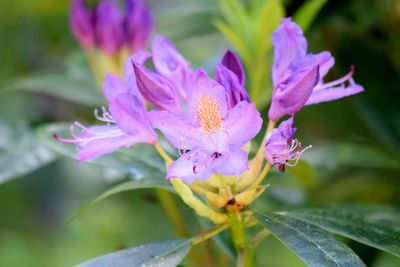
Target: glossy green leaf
column 139, row 161
column 374, row 226
column 166, row 254
column 308, row 12
column 127, row 186
column 312, row 244
column 21, row 152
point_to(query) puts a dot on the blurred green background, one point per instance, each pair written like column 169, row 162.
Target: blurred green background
column 356, row 141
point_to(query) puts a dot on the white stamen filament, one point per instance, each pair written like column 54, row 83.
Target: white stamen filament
column 336, row 82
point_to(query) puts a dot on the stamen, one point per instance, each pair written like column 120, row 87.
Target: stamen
column 209, row 114
column 336, row 82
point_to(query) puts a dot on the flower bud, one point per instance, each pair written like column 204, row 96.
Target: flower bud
column 81, row 21
column 138, row 24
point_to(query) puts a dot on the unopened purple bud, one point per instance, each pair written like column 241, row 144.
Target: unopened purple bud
column 230, row 74
column 81, row 21
column 138, row 24
column 158, row 91
column 109, row 27
column 281, row 148
column 232, row 62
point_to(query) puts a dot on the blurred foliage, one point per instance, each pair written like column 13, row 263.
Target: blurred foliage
column 360, row 166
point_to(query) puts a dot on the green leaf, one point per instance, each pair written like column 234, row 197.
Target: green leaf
column 269, row 19
column 166, row 254
column 75, row 83
column 126, row 186
column 21, row 152
column 312, row 244
column 140, row 161
column 375, row 226
column 81, row 90
column 307, row 13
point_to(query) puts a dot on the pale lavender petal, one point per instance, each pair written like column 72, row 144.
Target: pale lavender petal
column 289, row 46
column 170, row 63
column 109, row 27
column 232, row 62
column 205, row 96
column 130, row 115
column 334, row 93
column 177, row 129
column 82, row 24
column 242, row 123
column 235, row 162
column 138, row 24
column 291, row 95
column 106, row 145
column 185, row 169
column 158, row 91
column 113, row 85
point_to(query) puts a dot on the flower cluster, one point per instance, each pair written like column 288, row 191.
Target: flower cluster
column 109, row 28
column 207, row 120
column 210, row 121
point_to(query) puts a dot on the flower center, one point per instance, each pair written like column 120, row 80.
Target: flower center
column 209, row 114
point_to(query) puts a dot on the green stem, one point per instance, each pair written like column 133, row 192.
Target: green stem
column 245, row 253
column 209, row 233
column 259, row 237
column 174, row 215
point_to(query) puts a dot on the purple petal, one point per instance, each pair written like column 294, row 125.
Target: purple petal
column 232, row 62
column 185, row 169
column 235, row 92
column 130, row 115
column 170, row 63
column 243, row 123
column 139, row 24
column 233, row 163
column 157, row 90
column 289, row 46
column 139, row 57
column 109, row 27
column 291, row 95
column 113, row 85
column 81, row 24
column 177, row 129
column 205, row 97
column 334, row 93
column 104, row 145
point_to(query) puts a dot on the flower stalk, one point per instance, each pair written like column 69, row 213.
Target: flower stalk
column 245, row 254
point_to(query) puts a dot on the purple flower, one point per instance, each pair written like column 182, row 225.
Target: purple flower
column 230, row 75
column 298, row 76
column 138, row 24
column 81, row 23
column 126, row 122
column 281, row 147
column 209, row 135
column 109, row 27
